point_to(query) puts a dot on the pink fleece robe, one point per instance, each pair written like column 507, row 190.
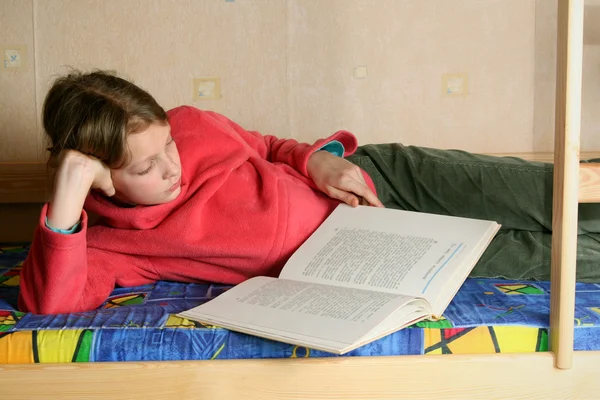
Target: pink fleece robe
column 246, row 204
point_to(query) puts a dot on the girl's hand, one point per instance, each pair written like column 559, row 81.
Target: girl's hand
column 77, row 173
column 340, row 179
column 81, row 172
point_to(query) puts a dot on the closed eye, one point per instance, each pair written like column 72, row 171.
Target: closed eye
column 147, row 170
column 169, row 142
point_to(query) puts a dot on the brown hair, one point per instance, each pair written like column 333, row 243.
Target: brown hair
column 94, row 112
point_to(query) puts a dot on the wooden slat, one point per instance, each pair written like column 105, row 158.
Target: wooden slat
column 485, row 376
column 30, row 182
column 589, row 183
column 545, row 156
column 18, row 221
column 24, row 183
column 566, row 179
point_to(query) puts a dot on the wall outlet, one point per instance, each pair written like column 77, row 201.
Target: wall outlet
column 14, row 57
column 206, row 88
column 455, row 84
column 360, row 72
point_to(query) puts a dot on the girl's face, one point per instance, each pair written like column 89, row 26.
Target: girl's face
column 153, row 175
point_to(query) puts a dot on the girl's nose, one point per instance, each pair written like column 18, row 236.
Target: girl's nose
column 172, row 169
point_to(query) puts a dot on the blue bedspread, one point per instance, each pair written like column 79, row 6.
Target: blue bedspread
column 135, row 324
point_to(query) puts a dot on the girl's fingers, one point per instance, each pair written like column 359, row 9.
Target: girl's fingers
column 360, row 189
column 344, row 196
column 109, row 191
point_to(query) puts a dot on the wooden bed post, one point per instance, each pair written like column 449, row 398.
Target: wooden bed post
column 566, row 179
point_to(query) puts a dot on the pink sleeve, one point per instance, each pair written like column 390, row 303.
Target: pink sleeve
column 288, row 151
column 61, row 275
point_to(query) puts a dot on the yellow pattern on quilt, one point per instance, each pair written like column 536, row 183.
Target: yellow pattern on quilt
column 485, row 340
column 519, row 339
column 57, row 345
column 519, row 288
column 303, row 353
column 125, row 300
column 8, row 319
column 16, row 348
column 11, row 277
column 177, row 322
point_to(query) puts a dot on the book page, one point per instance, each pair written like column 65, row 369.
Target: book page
column 447, row 293
column 391, row 325
column 410, row 312
column 391, row 251
column 288, row 309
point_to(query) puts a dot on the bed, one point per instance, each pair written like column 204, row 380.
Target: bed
column 566, row 370
column 140, row 324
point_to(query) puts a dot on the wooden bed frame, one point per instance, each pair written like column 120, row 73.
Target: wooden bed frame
column 560, row 373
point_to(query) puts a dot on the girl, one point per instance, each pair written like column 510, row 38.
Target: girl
column 188, row 195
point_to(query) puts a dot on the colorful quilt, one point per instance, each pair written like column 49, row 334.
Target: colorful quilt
column 139, row 324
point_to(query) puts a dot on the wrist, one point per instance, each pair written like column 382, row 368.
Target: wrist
column 72, row 184
column 64, row 211
column 73, row 229
column 314, row 160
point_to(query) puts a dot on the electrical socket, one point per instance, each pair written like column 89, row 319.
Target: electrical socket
column 206, row 88
column 455, row 84
column 14, row 57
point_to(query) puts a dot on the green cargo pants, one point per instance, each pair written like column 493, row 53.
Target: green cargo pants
column 514, row 192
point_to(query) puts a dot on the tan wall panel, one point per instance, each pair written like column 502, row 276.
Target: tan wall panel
column 590, row 113
column 162, row 45
column 18, row 119
column 407, row 46
column 286, row 67
column 591, row 34
column 545, row 76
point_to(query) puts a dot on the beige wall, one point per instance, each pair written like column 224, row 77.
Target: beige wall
column 590, row 118
column 19, row 139
column 407, row 47
column 545, row 79
column 287, row 67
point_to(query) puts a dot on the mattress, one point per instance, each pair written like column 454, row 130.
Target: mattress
column 139, row 324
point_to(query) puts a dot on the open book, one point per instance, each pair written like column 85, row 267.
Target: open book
column 365, row 273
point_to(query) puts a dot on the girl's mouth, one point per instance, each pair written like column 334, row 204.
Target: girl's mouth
column 175, row 186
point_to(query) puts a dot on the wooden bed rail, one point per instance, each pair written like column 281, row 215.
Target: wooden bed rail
column 449, row 376
column 567, row 175
column 24, row 182
column 29, row 182
column 589, row 183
